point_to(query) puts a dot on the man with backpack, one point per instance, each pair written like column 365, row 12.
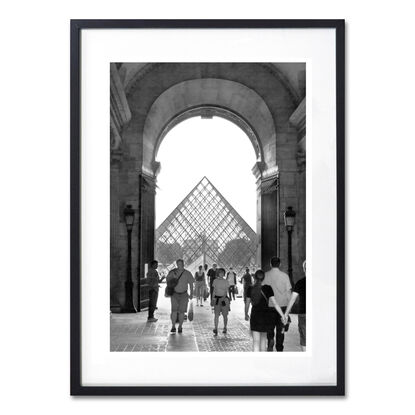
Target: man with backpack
column 180, row 289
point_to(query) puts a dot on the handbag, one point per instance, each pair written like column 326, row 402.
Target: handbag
column 190, row 312
column 171, row 284
column 205, row 293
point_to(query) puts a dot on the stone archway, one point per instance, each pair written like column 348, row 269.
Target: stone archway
column 228, row 99
column 256, row 97
column 210, row 111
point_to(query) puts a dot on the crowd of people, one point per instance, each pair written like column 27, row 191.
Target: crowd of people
column 268, row 296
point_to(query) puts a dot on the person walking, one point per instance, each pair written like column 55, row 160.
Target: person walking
column 261, row 320
column 246, row 282
column 231, row 278
column 280, row 284
column 299, row 291
column 220, row 300
column 200, row 284
column 182, row 281
column 206, row 290
column 153, row 280
column 211, row 276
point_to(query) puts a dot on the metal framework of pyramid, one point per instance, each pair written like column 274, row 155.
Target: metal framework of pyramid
column 205, row 228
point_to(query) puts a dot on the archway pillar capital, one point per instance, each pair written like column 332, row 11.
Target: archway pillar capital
column 258, row 169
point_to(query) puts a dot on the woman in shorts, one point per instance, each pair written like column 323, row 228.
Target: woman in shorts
column 261, row 320
column 200, row 284
column 220, row 300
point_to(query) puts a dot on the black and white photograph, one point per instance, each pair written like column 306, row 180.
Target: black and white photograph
column 208, row 207
column 211, row 200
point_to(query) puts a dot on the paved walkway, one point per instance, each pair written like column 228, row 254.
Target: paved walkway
column 132, row 333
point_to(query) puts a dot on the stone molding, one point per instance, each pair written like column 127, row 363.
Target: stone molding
column 258, row 169
column 116, row 157
column 120, row 113
column 271, row 68
column 301, row 155
column 298, row 118
column 148, row 182
column 270, row 184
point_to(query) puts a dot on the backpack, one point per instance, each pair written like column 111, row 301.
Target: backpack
column 171, row 284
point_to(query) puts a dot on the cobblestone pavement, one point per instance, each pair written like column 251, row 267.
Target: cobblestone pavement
column 132, row 333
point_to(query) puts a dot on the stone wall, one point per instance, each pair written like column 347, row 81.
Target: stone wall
column 277, row 126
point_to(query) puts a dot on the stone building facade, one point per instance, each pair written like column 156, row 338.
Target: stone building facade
column 266, row 100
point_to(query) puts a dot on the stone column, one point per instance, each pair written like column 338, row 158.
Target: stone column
column 270, row 232
column 298, row 120
column 120, row 117
column 290, row 191
column 147, row 189
column 115, row 263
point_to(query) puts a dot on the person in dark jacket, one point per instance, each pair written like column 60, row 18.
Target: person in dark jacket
column 231, row 278
column 299, row 291
column 211, row 277
column 153, row 280
column 246, row 282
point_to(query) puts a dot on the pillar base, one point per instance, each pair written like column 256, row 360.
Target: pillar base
column 130, row 309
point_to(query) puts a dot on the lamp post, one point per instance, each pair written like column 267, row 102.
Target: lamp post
column 289, row 221
column 129, row 223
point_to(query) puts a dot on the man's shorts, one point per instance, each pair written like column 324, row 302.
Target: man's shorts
column 302, row 328
column 221, row 308
column 179, row 302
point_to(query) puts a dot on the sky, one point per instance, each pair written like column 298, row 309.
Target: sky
column 215, row 148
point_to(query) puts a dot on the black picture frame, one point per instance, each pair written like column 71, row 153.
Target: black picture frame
column 76, row 387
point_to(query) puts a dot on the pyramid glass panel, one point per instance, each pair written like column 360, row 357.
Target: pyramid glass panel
column 205, row 228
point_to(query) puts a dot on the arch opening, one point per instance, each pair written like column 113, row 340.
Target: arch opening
column 208, row 112
column 206, row 201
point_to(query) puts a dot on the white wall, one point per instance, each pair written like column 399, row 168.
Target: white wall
column 35, row 204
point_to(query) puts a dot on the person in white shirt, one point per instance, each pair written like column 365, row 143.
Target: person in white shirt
column 281, row 286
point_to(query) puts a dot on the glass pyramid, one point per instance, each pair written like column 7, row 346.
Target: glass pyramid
column 205, row 228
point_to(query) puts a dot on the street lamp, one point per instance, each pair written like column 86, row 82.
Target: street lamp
column 289, row 221
column 129, row 223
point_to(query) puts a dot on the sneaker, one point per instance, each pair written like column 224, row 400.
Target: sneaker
column 152, row 320
column 180, row 330
column 270, row 345
column 201, row 305
column 173, row 330
column 215, row 332
column 224, row 331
